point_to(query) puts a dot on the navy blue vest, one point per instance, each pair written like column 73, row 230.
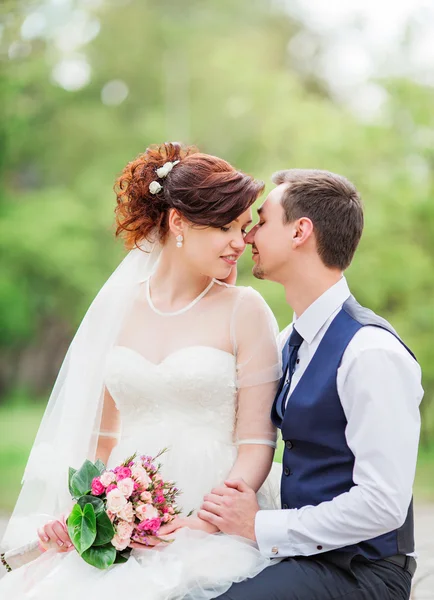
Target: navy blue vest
column 317, row 462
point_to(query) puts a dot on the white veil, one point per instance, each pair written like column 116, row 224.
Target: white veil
column 68, row 433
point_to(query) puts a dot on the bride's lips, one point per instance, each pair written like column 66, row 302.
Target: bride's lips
column 254, row 255
column 231, row 261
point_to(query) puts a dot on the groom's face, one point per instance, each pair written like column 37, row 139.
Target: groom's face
column 270, row 238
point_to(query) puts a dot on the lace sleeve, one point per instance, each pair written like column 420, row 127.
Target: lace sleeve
column 254, row 336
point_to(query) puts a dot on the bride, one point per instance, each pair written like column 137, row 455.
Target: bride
column 168, row 355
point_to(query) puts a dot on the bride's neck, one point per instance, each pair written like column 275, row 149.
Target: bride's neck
column 175, row 281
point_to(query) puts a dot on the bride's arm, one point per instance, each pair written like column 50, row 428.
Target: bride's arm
column 108, row 433
column 254, row 332
column 255, row 435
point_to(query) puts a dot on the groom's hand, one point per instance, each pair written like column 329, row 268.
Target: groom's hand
column 232, row 509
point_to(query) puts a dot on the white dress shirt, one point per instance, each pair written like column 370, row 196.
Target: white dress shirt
column 379, row 386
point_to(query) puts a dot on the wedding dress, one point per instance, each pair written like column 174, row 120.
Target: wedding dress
column 199, row 381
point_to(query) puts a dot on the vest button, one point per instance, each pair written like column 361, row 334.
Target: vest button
column 286, row 471
column 319, row 547
column 284, row 506
column 298, row 361
column 288, row 445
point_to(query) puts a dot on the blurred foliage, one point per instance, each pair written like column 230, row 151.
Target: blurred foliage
column 217, row 74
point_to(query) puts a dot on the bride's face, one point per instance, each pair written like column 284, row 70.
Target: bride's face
column 215, row 251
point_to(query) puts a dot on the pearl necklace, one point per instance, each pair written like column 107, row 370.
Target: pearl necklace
column 182, row 310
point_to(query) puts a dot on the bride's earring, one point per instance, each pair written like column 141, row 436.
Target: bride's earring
column 179, row 241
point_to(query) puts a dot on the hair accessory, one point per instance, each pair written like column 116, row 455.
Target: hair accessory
column 155, row 187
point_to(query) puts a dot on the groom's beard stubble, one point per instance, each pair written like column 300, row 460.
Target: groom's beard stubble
column 258, row 272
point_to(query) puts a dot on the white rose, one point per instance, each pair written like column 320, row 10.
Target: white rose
column 155, row 187
column 115, row 501
column 164, row 170
column 146, row 496
column 141, row 476
column 107, row 478
column 127, row 513
column 124, row 529
column 147, row 511
column 126, row 486
column 120, row 543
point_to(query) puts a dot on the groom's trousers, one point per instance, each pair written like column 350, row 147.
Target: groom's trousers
column 318, row 578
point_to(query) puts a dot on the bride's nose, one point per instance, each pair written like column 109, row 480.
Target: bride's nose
column 238, row 243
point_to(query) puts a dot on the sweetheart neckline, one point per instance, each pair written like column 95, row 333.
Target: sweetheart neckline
column 171, row 354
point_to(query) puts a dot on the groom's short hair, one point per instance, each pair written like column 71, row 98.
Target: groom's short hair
column 334, row 206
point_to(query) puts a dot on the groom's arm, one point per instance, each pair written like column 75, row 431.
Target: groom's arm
column 380, row 391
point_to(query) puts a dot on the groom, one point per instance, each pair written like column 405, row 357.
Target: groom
column 347, row 407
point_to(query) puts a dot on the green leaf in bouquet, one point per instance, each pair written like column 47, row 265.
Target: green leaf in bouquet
column 82, row 527
column 81, row 481
column 97, row 503
column 71, row 472
column 100, row 557
column 122, row 557
column 100, row 466
column 104, row 530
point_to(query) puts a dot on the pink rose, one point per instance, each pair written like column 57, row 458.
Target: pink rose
column 167, row 518
column 151, row 525
column 97, row 487
column 111, row 487
column 146, row 496
column 146, row 511
column 127, row 513
column 122, row 473
column 171, row 510
column 116, row 501
column 160, row 499
column 107, row 478
column 126, row 486
column 140, row 475
column 124, row 529
column 120, row 543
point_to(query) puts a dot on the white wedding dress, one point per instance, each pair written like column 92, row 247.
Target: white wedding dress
column 199, row 382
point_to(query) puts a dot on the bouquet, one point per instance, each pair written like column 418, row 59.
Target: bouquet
column 114, row 507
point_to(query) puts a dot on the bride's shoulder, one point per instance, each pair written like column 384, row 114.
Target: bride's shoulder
column 245, row 297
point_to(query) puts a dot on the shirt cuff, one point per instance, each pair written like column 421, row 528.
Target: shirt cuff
column 271, row 530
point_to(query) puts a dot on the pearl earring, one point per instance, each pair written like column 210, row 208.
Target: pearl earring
column 179, row 241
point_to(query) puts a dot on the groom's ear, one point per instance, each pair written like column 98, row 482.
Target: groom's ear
column 302, row 231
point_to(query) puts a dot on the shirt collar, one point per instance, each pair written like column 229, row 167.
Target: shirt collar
column 316, row 315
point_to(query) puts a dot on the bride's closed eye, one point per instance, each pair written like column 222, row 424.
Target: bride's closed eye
column 226, row 229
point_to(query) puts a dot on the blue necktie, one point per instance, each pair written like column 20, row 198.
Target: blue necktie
column 289, row 358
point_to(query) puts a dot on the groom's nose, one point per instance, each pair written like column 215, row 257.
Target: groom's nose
column 250, row 237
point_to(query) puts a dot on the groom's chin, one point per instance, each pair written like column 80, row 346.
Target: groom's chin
column 258, row 272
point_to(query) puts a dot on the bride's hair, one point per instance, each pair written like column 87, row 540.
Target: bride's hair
column 205, row 189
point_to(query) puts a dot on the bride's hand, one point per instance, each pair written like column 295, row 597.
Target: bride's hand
column 190, row 522
column 54, row 535
column 151, row 543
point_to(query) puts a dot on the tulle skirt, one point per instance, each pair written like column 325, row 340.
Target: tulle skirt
column 197, row 565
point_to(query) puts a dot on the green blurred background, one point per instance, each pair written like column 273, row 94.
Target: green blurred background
column 86, row 85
